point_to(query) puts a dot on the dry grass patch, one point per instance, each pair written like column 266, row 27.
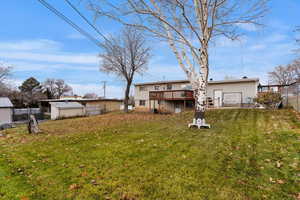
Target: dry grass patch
column 248, row 154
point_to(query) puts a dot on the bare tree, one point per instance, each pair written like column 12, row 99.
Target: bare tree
column 189, row 26
column 296, row 67
column 5, row 72
column 90, row 96
column 62, row 87
column 49, row 88
column 125, row 56
column 285, row 75
column 55, row 88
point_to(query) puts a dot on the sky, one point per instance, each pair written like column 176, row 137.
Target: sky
column 37, row 43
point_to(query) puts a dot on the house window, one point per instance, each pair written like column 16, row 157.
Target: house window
column 169, row 86
column 156, row 87
column 142, row 102
column 143, row 88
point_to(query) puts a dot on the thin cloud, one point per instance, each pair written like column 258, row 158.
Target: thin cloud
column 51, row 57
column 27, row 45
column 47, row 67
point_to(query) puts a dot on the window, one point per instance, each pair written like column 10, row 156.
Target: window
column 143, row 88
column 169, row 86
column 142, row 102
column 156, row 87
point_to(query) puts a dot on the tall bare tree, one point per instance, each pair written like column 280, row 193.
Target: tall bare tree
column 90, row 96
column 5, row 72
column 49, row 88
column 285, row 75
column 296, row 67
column 189, row 26
column 125, row 56
column 55, row 88
column 62, row 87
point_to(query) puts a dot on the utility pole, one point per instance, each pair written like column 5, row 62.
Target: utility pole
column 104, row 88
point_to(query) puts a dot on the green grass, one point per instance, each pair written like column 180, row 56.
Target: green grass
column 248, row 154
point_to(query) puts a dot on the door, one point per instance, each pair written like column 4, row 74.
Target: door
column 218, row 98
column 233, row 99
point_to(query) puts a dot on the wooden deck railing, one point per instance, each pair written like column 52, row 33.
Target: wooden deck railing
column 171, row 95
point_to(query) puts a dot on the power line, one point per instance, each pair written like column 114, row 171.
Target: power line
column 67, row 20
column 86, row 20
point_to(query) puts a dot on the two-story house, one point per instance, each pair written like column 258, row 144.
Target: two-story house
column 176, row 96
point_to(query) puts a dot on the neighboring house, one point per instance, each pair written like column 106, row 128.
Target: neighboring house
column 91, row 106
column 289, row 93
column 6, row 111
column 272, row 88
column 175, row 96
column 61, row 110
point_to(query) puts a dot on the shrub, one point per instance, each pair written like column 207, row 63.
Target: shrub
column 270, row 100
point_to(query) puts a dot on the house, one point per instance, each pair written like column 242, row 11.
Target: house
column 66, row 109
column 272, row 88
column 91, row 106
column 6, row 111
column 175, row 96
column 288, row 92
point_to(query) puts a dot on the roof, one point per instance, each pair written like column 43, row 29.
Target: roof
column 66, row 105
column 5, row 102
column 79, row 100
column 209, row 82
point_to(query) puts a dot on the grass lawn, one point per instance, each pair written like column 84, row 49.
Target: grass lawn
column 248, row 154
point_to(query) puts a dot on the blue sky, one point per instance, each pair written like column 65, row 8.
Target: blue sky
column 37, row 43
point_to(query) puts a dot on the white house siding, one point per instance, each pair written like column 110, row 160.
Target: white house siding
column 144, row 95
column 5, row 115
column 57, row 113
column 247, row 89
column 74, row 112
column 54, row 113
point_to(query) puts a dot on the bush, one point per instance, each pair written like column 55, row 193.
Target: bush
column 270, row 100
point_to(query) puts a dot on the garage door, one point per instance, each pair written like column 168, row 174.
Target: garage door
column 232, row 99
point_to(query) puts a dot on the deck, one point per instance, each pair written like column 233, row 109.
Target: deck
column 170, row 95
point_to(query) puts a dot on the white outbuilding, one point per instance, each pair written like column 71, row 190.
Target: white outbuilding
column 61, row 110
column 6, row 111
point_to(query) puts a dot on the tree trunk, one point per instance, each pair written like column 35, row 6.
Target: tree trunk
column 126, row 99
column 199, row 85
column 33, row 125
column 200, row 101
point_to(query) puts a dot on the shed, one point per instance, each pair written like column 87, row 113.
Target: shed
column 66, row 109
column 6, row 111
column 91, row 106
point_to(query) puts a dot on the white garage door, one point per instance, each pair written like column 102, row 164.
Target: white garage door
column 232, row 99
